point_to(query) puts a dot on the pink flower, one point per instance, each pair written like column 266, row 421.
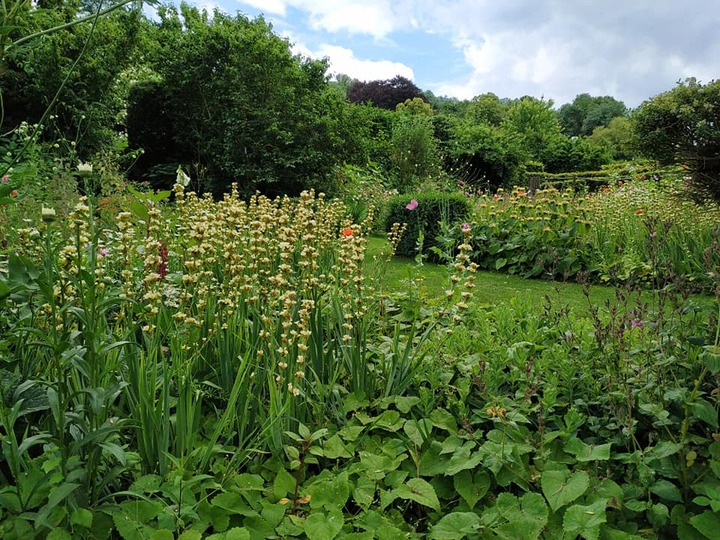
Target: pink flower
column 412, row 205
column 5, row 179
column 102, row 252
column 465, row 226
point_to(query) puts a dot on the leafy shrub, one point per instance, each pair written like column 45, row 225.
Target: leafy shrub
column 423, row 214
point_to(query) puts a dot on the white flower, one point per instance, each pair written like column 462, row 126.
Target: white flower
column 182, row 178
column 85, row 169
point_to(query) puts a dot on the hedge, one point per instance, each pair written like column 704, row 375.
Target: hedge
column 431, row 210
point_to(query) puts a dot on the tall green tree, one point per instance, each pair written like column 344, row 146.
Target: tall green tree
column 75, row 68
column 238, row 106
column 586, row 113
column 683, row 126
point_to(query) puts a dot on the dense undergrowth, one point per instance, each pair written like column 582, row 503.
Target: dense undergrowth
column 231, row 369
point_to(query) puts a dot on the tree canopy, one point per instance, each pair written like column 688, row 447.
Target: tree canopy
column 683, row 126
column 386, row 94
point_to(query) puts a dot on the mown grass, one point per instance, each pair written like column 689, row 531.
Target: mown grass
column 400, row 274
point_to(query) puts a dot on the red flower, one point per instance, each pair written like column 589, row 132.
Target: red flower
column 162, row 268
column 347, row 231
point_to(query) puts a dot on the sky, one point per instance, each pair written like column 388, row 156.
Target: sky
column 555, row 49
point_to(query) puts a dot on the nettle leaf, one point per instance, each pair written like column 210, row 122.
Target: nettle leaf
column 462, row 459
column 232, row 503
column 587, row 452
column 711, row 358
column 666, row 490
column 364, row 492
column 472, row 488
column 707, row 523
column 526, row 517
column 705, row 411
column 236, row 533
column 404, row 404
column 334, row 448
column 166, row 534
column 585, row 521
column 331, row 493
column 561, row 487
column 418, row 490
column 129, row 527
column 320, row 526
column 418, row 430
column 455, row 526
column 442, row 419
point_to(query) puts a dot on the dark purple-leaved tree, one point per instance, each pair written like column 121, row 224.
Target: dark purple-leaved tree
column 384, row 94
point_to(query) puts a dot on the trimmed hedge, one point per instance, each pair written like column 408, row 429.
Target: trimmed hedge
column 432, row 208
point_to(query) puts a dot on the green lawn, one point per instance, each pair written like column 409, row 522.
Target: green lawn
column 400, row 275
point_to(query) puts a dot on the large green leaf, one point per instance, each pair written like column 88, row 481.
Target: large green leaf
column 455, row 526
column 708, row 523
column 418, row 490
column 561, row 487
column 322, row 526
column 526, row 517
column 471, row 487
column 585, row 521
column 587, row 452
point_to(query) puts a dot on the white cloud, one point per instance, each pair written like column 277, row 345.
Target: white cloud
column 632, row 49
column 269, row 7
column 343, row 60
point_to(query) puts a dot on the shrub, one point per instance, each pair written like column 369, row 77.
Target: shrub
column 423, row 214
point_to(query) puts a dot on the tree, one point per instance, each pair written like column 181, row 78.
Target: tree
column 535, row 122
column 683, row 126
column 616, row 138
column 239, row 106
column 80, row 63
column 486, row 109
column 385, row 94
column 586, row 112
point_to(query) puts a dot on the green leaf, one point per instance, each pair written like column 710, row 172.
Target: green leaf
column 190, row 535
column 707, row 523
column 561, row 487
column 334, row 448
column 455, row 526
column 418, row 490
column 586, row 452
column 164, row 534
column 58, row 534
column 711, row 358
column 442, row 419
column 332, row 493
column 666, row 490
column 526, row 516
column 129, row 527
column 499, row 263
column 320, row 526
column 705, row 411
column 418, row 430
column 364, row 492
column 82, row 517
column 471, row 488
column 404, row 404
column 585, row 521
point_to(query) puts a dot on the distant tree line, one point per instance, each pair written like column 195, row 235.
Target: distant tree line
column 225, row 98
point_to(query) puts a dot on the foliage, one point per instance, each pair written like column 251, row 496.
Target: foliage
column 488, row 157
column 486, row 109
column 616, row 137
column 682, row 126
column 81, row 61
column 260, row 117
column 386, row 94
column 642, row 232
column 414, row 155
column 423, row 213
column 587, row 113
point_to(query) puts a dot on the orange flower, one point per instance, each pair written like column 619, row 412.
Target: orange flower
column 13, row 193
column 347, row 231
column 639, row 212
